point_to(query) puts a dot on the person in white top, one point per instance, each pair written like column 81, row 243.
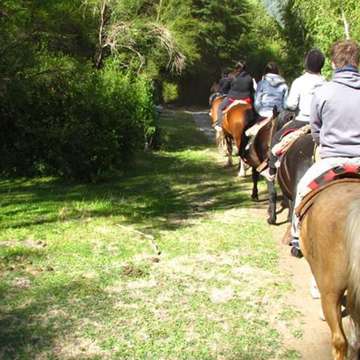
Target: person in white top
column 299, row 101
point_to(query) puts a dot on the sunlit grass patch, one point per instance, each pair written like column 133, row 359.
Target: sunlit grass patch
column 81, row 277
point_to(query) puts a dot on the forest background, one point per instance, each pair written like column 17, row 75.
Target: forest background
column 79, row 78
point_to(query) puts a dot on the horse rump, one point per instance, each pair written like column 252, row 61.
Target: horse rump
column 353, row 254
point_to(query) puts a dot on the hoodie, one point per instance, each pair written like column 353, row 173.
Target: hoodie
column 271, row 91
column 335, row 117
column 301, row 93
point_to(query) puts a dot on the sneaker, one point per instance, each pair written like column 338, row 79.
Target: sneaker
column 296, row 252
column 295, row 248
column 266, row 174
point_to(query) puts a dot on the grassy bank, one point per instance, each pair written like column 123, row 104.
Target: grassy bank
column 81, row 278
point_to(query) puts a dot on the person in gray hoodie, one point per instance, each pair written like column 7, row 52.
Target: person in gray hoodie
column 334, row 119
column 271, row 91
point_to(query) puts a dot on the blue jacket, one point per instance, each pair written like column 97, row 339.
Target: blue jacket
column 271, row 90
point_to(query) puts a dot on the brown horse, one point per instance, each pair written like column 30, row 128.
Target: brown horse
column 330, row 242
column 234, row 126
column 221, row 141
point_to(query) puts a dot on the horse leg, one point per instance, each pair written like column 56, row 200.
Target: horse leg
column 242, row 168
column 255, row 178
column 291, row 209
column 272, row 202
column 331, row 304
column 229, row 148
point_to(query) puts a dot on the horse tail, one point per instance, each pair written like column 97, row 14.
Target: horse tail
column 353, row 255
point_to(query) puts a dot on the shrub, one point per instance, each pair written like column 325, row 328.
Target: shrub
column 75, row 122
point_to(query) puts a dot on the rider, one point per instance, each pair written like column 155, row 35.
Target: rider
column 220, row 88
column 225, row 83
column 299, row 99
column 242, row 88
column 271, row 91
column 334, row 120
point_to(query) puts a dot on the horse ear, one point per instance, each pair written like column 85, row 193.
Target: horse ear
column 275, row 111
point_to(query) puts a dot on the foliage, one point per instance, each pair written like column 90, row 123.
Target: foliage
column 318, row 24
column 76, row 123
column 78, row 78
column 59, row 115
column 259, row 47
column 170, row 92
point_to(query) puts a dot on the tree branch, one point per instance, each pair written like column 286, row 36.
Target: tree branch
column 346, row 24
column 103, row 21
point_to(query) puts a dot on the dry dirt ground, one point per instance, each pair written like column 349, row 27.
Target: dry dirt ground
column 314, row 341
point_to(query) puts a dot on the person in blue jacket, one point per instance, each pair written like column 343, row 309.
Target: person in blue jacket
column 271, row 91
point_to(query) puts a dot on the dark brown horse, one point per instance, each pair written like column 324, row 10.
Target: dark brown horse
column 330, row 242
column 292, row 168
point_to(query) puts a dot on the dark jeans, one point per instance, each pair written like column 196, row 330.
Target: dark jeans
column 293, row 124
column 224, row 104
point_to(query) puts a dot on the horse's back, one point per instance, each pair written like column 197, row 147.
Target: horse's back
column 330, row 243
column 294, row 164
column 235, row 117
column 324, row 223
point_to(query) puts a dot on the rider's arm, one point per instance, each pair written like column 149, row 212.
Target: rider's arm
column 292, row 101
column 285, row 96
column 315, row 118
column 258, row 96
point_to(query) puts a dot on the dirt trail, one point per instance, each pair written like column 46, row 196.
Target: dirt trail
column 314, row 344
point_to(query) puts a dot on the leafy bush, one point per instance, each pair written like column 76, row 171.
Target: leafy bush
column 170, row 92
column 71, row 120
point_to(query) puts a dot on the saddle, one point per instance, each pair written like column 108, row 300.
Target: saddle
column 346, row 173
column 234, row 104
column 257, row 148
column 253, row 130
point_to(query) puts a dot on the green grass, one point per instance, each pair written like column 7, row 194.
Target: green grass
column 77, row 282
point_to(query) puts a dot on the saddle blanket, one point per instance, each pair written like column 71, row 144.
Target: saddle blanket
column 338, row 172
column 288, row 139
column 234, row 102
column 310, row 198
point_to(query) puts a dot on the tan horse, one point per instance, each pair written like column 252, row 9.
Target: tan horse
column 330, row 242
column 223, row 142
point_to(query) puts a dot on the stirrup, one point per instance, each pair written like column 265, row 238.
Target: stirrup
column 262, row 166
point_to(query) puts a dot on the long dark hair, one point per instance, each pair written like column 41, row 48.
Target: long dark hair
column 271, row 68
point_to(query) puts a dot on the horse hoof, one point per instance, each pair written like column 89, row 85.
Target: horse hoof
column 271, row 221
column 254, row 198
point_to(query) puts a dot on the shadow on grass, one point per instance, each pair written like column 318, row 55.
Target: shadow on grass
column 164, row 188
column 182, row 181
column 40, row 326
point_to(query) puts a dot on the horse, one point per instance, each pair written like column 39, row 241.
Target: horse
column 293, row 166
column 221, row 141
column 330, row 242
